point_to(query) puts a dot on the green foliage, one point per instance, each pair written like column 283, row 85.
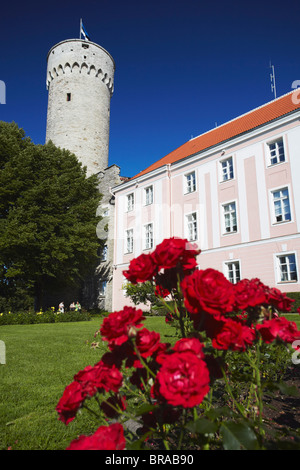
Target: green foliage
column 47, row 216
column 296, row 297
column 49, row 316
column 141, row 293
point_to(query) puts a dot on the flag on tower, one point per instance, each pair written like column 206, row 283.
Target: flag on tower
column 83, row 32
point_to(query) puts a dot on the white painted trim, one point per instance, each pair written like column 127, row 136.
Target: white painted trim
column 185, row 185
column 225, row 267
column 277, row 268
column 281, row 135
column 185, row 228
column 220, row 173
column 256, row 242
column 248, row 135
column 272, row 206
column 223, row 232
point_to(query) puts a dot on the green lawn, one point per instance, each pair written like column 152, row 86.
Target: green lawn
column 40, row 361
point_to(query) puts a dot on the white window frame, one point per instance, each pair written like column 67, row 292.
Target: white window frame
column 279, row 271
column 129, row 240
column 276, row 154
column 129, row 202
column 190, row 184
column 148, row 191
column 231, row 231
column 191, row 227
column 223, row 173
column 281, row 199
column 148, row 241
column 226, row 270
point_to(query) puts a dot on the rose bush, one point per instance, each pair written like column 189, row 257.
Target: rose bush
column 205, row 390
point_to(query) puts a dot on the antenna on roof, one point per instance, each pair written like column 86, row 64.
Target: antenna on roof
column 272, row 76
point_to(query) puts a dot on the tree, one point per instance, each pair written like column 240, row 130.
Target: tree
column 47, row 215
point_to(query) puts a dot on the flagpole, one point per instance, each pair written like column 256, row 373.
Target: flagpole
column 80, row 28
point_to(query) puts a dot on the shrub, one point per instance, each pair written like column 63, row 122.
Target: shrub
column 49, row 316
column 204, row 392
column 296, row 297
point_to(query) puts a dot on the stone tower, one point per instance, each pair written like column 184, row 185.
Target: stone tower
column 80, row 77
column 80, row 83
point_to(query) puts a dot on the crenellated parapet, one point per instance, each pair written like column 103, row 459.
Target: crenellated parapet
column 82, row 68
column 80, row 83
column 76, row 56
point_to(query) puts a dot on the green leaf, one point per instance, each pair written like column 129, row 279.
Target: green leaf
column 202, row 426
column 143, row 409
column 287, row 390
column 238, row 436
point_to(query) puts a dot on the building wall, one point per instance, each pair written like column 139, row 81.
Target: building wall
column 258, row 241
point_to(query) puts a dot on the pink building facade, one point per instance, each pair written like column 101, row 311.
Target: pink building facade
column 233, row 191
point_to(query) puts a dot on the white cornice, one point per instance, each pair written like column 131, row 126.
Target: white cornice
column 224, row 145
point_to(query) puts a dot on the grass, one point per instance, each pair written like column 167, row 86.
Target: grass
column 40, row 361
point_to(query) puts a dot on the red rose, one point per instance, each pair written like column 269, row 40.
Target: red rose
column 183, row 380
column 208, row 290
column 105, row 438
column 175, row 251
column 147, row 342
column 279, row 328
column 190, row 344
column 100, row 377
column 234, row 335
column 249, row 293
column 70, row 402
column 116, row 327
column 86, row 378
column 279, row 299
column 141, row 269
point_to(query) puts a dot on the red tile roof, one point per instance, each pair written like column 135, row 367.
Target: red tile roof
column 259, row 116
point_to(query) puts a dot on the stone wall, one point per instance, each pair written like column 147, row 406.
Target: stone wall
column 80, row 78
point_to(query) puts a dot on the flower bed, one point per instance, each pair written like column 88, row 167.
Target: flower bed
column 48, row 316
column 207, row 390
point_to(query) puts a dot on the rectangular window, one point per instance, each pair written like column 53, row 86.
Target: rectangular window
column 287, row 268
column 68, row 96
column 191, row 227
column 281, row 204
column 129, row 241
column 130, row 202
column 276, row 152
column 190, row 182
column 149, row 195
column 227, row 169
column 148, row 236
column 233, row 272
column 103, row 285
column 104, row 253
column 230, row 219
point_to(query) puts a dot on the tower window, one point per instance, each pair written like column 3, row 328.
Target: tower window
column 68, row 96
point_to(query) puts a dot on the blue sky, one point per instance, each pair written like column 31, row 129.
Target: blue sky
column 181, row 66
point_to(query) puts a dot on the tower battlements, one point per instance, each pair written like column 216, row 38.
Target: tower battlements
column 94, row 61
column 80, row 83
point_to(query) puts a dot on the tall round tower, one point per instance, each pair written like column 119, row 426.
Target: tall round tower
column 80, row 78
